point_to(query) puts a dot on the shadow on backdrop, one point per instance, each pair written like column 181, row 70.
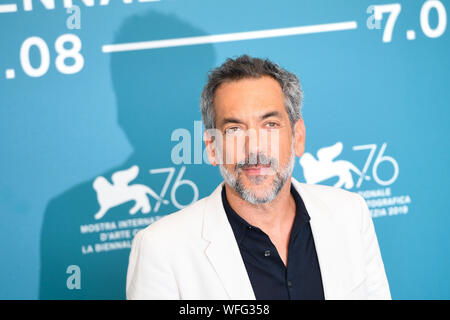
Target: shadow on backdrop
column 156, row 91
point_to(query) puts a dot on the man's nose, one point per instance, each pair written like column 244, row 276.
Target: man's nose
column 251, row 141
column 256, row 143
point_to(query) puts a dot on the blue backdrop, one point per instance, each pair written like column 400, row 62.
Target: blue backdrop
column 85, row 127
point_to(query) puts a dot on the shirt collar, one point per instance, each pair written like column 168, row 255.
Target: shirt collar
column 240, row 226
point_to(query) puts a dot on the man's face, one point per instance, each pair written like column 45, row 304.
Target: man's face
column 257, row 151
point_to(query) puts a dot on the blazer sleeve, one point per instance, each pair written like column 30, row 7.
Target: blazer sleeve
column 149, row 276
column 376, row 280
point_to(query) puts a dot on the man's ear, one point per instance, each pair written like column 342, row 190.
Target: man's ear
column 299, row 143
column 209, row 138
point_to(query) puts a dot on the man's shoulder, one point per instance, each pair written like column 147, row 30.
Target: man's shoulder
column 329, row 193
column 343, row 204
column 181, row 224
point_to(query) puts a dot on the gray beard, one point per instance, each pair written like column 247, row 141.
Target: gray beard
column 279, row 181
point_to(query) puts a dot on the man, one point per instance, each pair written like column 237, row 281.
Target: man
column 261, row 234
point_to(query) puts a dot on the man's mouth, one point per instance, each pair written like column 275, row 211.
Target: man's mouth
column 257, row 169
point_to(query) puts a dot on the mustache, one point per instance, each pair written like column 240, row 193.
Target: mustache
column 255, row 160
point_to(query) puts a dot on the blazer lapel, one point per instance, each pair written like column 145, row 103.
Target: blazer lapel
column 332, row 250
column 223, row 251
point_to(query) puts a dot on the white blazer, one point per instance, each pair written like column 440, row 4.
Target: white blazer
column 193, row 254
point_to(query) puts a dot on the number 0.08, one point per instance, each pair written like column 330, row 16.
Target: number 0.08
column 62, row 55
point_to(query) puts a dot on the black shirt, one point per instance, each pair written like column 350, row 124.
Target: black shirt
column 269, row 277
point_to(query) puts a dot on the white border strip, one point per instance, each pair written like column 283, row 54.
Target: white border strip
column 271, row 33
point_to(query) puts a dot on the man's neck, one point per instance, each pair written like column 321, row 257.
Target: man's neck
column 267, row 216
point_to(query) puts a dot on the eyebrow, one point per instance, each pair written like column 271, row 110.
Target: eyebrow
column 271, row 114
column 262, row 117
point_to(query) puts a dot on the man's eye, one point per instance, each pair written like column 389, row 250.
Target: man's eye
column 231, row 130
column 271, row 124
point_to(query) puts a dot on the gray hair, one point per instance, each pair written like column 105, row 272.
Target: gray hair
column 243, row 67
